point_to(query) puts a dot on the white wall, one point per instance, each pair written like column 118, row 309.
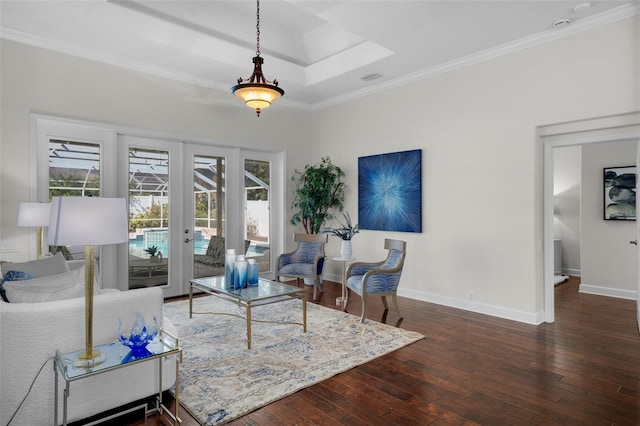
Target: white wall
column 567, row 175
column 482, row 164
column 608, row 260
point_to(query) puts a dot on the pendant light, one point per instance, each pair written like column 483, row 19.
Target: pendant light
column 256, row 91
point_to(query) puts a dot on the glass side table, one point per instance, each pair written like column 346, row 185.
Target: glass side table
column 114, row 356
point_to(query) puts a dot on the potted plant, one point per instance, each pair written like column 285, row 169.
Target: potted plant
column 152, row 251
column 345, row 232
column 318, row 190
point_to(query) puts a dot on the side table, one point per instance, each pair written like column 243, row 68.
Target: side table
column 344, row 260
column 115, row 356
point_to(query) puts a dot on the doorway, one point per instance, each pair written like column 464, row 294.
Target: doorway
column 597, row 130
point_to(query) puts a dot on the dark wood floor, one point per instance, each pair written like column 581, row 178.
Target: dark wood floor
column 475, row 369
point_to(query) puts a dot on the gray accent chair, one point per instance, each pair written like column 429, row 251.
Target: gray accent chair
column 378, row 278
column 306, row 261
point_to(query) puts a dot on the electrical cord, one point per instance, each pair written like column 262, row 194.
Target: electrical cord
column 29, row 391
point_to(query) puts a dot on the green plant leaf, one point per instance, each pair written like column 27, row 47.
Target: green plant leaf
column 318, row 190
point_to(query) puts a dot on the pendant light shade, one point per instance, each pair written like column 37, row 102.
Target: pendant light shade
column 256, row 91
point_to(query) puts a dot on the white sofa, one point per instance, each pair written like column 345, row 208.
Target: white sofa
column 30, row 333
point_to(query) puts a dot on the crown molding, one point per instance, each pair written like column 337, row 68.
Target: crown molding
column 552, row 34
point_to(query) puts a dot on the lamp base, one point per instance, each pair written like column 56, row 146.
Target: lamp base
column 89, row 360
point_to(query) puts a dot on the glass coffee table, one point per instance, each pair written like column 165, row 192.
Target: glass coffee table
column 265, row 293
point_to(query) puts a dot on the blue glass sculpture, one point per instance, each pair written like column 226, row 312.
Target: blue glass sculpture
column 139, row 338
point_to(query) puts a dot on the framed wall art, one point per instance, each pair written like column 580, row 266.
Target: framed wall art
column 620, row 193
column 390, row 191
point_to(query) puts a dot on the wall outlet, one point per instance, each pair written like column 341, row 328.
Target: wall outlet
column 472, row 295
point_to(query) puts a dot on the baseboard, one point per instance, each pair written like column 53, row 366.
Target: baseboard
column 572, row 272
column 467, row 305
column 332, row 277
column 608, row 291
column 473, row 306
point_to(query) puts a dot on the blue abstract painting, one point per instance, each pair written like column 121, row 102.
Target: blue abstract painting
column 390, row 191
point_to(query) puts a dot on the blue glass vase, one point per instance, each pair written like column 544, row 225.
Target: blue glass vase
column 253, row 272
column 240, row 273
column 229, row 267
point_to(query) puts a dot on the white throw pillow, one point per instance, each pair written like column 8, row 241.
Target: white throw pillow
column 45, row 289
column 48, row 265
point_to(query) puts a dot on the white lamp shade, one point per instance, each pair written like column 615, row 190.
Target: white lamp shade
column 88, row 221
column 34, row 214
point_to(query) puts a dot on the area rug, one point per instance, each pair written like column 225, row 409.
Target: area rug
column 220, row 379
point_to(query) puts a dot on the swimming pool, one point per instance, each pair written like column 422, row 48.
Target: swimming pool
column 136, row 248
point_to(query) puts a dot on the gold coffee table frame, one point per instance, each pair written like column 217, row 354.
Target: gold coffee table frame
column 265, row 293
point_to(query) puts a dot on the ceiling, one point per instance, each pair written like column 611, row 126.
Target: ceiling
column 319, row 51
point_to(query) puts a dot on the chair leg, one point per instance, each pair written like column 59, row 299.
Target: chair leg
column 384, row 303
column 395, row 305
column 364, row 307
column 315, row 289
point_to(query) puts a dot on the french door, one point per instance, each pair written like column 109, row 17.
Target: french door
column 182, row 210
column 188, row 203
column 228, row 205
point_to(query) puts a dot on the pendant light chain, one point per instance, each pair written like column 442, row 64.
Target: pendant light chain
column 258, row 28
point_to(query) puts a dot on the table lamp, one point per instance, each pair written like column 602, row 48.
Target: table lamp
column 35, row 214
column 89, row 222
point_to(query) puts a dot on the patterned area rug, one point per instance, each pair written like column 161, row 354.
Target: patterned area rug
column 220, row 379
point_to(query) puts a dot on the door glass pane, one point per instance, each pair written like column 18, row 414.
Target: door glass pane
column 257, row 218
column 148, row 218
column 74, row 171
column 209, row 221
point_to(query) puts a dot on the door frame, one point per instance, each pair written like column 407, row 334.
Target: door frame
column 612, row 128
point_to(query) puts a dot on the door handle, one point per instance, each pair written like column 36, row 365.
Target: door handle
column 186, row 240
column 635, row 242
